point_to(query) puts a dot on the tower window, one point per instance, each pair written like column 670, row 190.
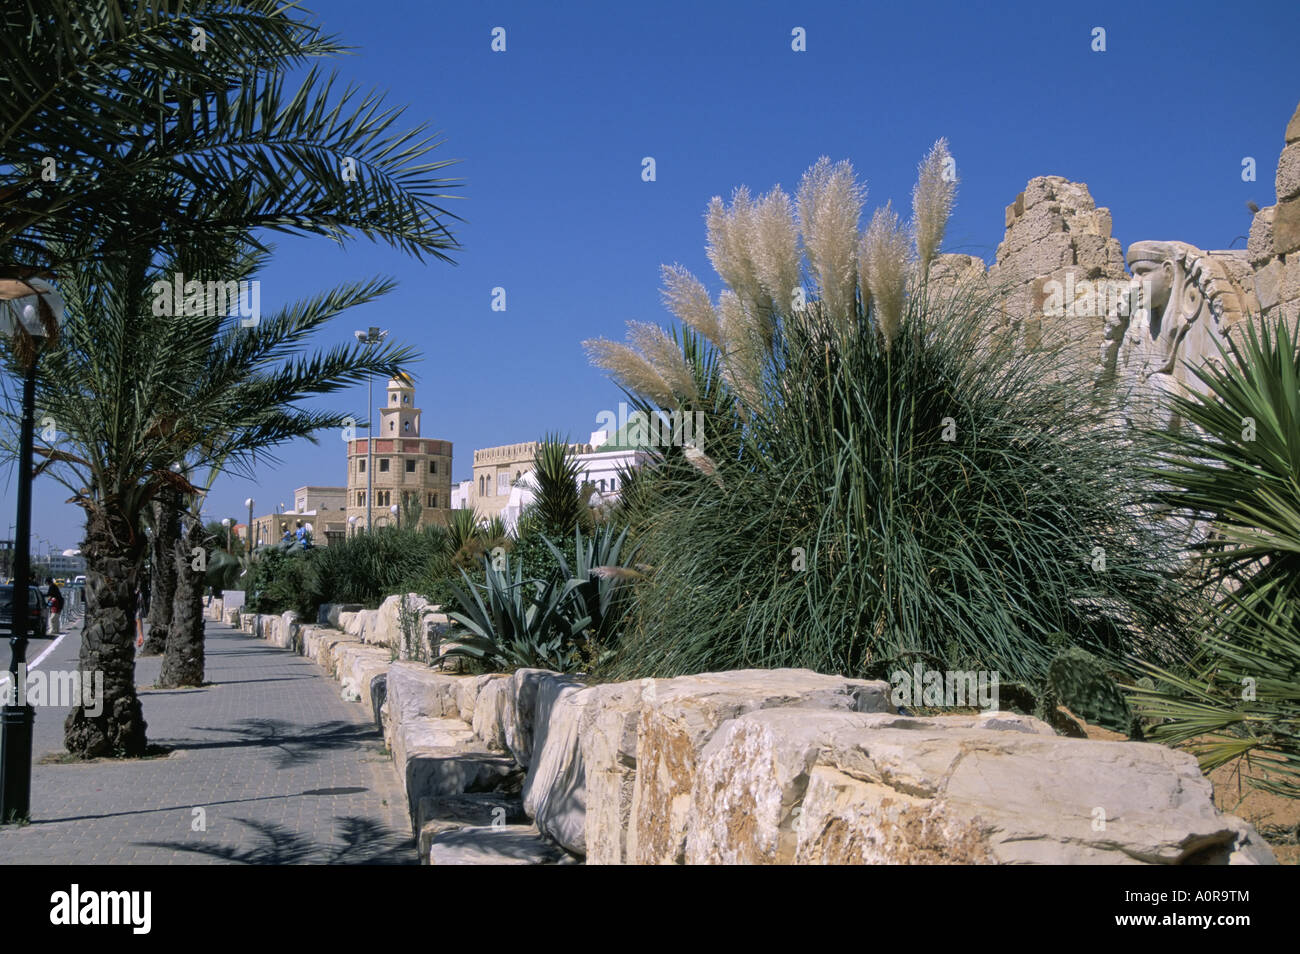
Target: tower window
column 433, row 466
column 410, row 466
column 361, row 465
column 406, row 427
column 383, row 465
column 361, row 498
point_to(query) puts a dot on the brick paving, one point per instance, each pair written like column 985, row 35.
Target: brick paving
column 285, row 771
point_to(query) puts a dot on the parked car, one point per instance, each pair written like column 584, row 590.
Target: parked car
column 38, row 613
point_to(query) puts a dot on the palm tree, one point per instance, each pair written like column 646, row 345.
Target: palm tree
column 135, row 394
column 560, row 506
column 1239, row 468
column 169, row 124
column 164, row 517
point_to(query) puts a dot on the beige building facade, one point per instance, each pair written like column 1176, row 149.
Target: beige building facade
column 497, row 470
column 321, row 509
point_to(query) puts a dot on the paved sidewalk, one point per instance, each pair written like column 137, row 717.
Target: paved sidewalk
column 285, row 771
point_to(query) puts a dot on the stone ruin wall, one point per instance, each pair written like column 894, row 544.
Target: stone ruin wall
column 1055, row 233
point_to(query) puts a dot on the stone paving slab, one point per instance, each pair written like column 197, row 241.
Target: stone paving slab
column 284, row 770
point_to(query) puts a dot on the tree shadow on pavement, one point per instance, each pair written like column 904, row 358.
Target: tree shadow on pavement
column 294, row 744
column 363, row 842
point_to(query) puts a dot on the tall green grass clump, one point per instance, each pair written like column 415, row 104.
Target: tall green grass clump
column 878, row 481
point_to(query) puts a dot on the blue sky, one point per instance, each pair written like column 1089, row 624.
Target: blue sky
column 552, row 133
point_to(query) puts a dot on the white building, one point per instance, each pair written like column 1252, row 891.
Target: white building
column 67, row 564
column 460, row 494
column 600, row 467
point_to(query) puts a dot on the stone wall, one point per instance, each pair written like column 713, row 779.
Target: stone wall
column 755, row 766
column 1274, row 246
column 1058, row 242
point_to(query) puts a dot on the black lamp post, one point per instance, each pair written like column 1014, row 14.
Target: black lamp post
column 27, row 319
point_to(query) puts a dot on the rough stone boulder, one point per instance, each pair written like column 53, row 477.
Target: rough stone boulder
column 555, row 787
column 328, row 645
column 795, row 786
column 442, row 757
column 496, row 845
column 358, row 666
column 417, row 692
column 679, row 716
column 440, row 813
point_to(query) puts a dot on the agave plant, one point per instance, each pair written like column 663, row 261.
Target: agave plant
column 1238, row 467
column 601, row 570
column 517, row 622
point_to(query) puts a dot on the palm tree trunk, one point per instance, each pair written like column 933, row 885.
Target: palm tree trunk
column 167, row 533
column 113, row 724
column 183, row 660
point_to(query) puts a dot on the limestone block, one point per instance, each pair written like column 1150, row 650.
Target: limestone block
column 1268, row 282
column 330, row 614
column 359, row 667
column 359, row 623
column 417, row 692
column 1051, row 252
column 436, row 814
column 783, row 786
column 468, row 689
column 1091, row 253
column 554, row 792
column 519, row 707
column 1038, row 190
column 442, row 757
column 502, row 845
column 1286, row 227
column 1102, row 221
column 680, row 716
column 608, row 759
column 232, row 616
column 1260, row 245
column 1290, row 290
column 327, row 649
column 490, row 714
column 1035, row 225
column 283, row 629
column 386, row 625
column 1288, row 172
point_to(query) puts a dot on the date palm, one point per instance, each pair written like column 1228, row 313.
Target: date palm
column 135, row 394
column 101, row 104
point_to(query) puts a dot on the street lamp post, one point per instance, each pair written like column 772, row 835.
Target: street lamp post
column 370, row 338
column 248, row 533
column 30, row 311
column 397, row 515
column 226, row 522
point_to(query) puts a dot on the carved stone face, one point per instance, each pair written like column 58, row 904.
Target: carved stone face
column 1153, row 282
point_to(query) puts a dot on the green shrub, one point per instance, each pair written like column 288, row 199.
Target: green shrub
column 1238, row 466
column 882, row 473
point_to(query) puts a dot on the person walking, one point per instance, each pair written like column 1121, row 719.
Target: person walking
column 55, row 601
column 139, row 617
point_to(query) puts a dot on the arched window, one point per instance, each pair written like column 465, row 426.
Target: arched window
column 406, row 426
column 392, row 426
